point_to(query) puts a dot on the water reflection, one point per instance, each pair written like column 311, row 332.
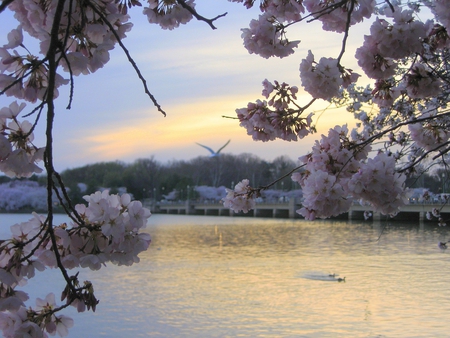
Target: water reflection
column 216, row 279
column 229, row 277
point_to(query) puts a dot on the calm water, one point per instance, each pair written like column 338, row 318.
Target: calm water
column 244, row 277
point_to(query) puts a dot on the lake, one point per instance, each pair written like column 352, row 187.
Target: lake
column 206, row 276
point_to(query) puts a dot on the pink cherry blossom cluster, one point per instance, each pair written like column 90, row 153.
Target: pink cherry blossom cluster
column 323, row 195
column 324, row 79
column 421, row 82
column 283, row 10
column 390, row 41
column 23, row 76
column 168, row 15
column 89, row 31
column 106, row 230
column 338, row 172
column 18, row 155
column 334, row 14
column 378, row 183
column 17, row 323
column 280, row 117
column 408, row 60
column 440, row 9
column 242, row 198
column 266, row 37
column 429, row 133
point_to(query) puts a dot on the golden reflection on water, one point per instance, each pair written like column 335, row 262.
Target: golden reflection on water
column 211, row 278
column 244, row 277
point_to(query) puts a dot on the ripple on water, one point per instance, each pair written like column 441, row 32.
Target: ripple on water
column 246, row 277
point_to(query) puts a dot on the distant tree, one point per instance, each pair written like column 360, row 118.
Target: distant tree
column 95, row 176
column 252, row 167
column 4, row 179
column 19, row 195
column 280, row 166
column 142, row 178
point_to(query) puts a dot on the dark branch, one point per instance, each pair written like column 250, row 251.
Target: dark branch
column 198, row 16
column 280, row 178
column 397, row 126
column 72, row 213
column 347, row 29
column 48, row 154
column 127, row 53
column 5, row 4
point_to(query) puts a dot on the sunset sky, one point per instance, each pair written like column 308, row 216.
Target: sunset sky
column 197, row 75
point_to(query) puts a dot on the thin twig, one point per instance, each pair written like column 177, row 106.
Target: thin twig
column 198, row 16
column 127, row 53
column 77, row 219
column 399, row 125
column 420, row 158
column 281, row 178
column 19, row 79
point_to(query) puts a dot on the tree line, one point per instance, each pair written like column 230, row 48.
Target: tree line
column 149, row 178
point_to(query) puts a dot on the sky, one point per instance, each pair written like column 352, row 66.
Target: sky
column 198, row 75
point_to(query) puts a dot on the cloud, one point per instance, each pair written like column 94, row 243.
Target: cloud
column 198, row 75
column 174, row 137
column 186, row 124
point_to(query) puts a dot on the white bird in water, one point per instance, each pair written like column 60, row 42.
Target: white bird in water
column 214, row 153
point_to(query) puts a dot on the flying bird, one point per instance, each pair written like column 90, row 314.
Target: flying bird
column 214, row 153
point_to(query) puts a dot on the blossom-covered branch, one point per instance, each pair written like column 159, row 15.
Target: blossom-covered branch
column 406, row 123
column 401, row 122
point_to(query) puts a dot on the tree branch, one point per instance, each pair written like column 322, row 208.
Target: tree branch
column 198, row 16
column 48, row 154
column 5, row 4
column 127, row 53
column 347, row 29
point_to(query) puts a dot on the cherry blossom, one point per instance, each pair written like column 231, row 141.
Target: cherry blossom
column 168, row 16
column 401, row 121
column 402, row 55
column 428, row 134
column 91, row 243
column 284, row 10
column 324, row 79
column 378, row 183
column 280, row 117
column 422, row 83
column 266, row 37
column 18, row 155
column 440, row 9
column 241, row 198
column 334, row 14
column 335, row 176
column 323, row 196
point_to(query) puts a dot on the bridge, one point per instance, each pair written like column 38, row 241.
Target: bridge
column 287, row 209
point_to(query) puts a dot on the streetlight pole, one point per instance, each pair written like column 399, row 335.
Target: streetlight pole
column 443, row 183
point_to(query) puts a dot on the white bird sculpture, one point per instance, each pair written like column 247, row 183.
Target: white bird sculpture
column 214, row 153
